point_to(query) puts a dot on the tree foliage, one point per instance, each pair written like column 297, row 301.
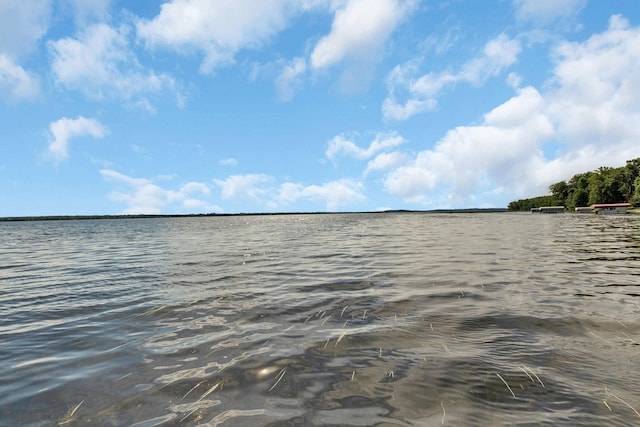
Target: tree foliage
column 604, row 185
column 635, row 196
column 527, row 204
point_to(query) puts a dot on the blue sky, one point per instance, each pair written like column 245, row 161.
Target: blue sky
column 228, row 106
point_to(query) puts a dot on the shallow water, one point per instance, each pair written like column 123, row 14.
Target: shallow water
column 394, row 319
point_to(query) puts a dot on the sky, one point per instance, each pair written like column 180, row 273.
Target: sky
column 239, row 106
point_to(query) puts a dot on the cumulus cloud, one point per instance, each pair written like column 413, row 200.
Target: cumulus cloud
column 100, row 64
column 497, row 152
column 597, row 94
column 339, row 145
column 498, row 54
column 143, row 196
column 193, row 187
column 360, row 29
column 589, row 113
column 422, row 92
column 334, row 194
column 385, row 161
column 64, row 129
column 147, row 196
column 220, row 30
column 264, row 190
column 217, row 29
column 251, row 186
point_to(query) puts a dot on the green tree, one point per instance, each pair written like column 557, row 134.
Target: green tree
column 606, row 185
column 525, row 205
column 615, row 185
column 596, row 188
column 578, row 190
column 560, row 191
column 635, row 197
column 631, row 174
column 577, row 197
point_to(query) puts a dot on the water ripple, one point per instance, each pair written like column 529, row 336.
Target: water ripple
column 378, row 319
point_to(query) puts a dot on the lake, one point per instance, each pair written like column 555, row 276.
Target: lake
column 389, row 319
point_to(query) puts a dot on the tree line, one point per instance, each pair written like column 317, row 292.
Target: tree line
column 604, row 185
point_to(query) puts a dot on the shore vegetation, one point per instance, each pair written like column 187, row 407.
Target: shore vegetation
column 603, row 185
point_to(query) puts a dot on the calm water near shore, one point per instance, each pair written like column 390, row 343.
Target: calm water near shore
column 390, row 319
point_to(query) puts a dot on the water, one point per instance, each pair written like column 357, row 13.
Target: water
column 392, row 319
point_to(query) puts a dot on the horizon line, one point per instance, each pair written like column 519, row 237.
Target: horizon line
column 215, row 214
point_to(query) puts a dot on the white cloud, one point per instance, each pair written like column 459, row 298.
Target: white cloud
column 401, row 78
column 359, row 30
column 588, row 117
column 422, row 92
column 192, row 187
column 334, row 194
column 289, row 78
column 147, row 196
column 22, row 24
column 289, row 193
column 547, row 11
column 385, row 161
column 442, row 43
column 412, row 183
column 142, row 196
column 217, row 29
column 228, row 162
column 251, row 186
column 261, row 189
column 15, row 82
column 498, row 54
column 341, row 146
column 514, row 80
column 391, row 109
column 197, row 205
column 100, row 64
column 64, row 129
column 88, row 10
column 499, row 152
column 597, row 96
column 220, row 30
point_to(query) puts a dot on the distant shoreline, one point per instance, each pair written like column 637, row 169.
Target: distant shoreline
column 143, row 216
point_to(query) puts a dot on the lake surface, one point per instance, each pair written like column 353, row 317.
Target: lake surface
column 390, row 319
